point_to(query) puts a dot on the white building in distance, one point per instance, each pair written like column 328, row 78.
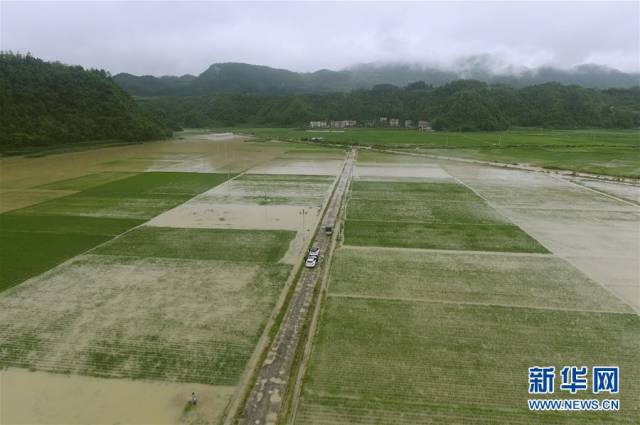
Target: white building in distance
column 343, row 123
column 424, row 125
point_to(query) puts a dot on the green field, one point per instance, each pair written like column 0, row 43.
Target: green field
column 405, row 362
column 542, row 281
column 159, row 184
column 424, row 210
column 170, row 304
column 402, row 137
column 26, row 254
column 610, row 152
column 36, row 238
column 472, row 237
column 410, row 191
column 201, row 244
column 429, row 215
column 141, row 318
column 413, row 330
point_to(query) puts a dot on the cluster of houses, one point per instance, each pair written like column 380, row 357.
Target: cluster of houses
column 422, row 125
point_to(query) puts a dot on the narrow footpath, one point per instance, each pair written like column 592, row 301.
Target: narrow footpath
column 265, row 401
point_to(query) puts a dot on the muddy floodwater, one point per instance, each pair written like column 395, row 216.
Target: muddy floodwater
column 44, row 398
column 22, row 178
column 591, row 226
column 596, row 232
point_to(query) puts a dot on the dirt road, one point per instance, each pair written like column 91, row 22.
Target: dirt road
column 265, row 401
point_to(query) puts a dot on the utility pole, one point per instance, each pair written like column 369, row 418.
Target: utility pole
column 304, row 233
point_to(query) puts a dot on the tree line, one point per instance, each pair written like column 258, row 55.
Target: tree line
column 45, row 103
column 463, row 105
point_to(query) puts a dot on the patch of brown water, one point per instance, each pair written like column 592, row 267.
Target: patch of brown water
column 20, row 198
column 28, row 397
column 203, row 214
column 191, row 153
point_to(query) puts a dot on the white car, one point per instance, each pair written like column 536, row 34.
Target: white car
column 311, row 262
column 314, row 252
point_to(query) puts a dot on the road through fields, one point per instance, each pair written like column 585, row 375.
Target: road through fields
column 266, row 398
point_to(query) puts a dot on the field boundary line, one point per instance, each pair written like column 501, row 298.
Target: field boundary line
column 471, row 303
column 317, row 311
column 239, row 402
column 529, row 207
column 565, row 180
column 506, row 165
column 565, row 258
column 497, row 209
column 450, row 251
column 444, row 223
column 113, row 238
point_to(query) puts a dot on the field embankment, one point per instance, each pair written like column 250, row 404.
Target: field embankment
column 419, row 326
column 606, row 152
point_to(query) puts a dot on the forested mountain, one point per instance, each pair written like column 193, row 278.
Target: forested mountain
column 240, row 78
column 148, row 85
column 460, row 105
column 43, row 103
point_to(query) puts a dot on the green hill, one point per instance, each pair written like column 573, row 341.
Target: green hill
column 46, row 103
column 242, row 78
column 464, row 105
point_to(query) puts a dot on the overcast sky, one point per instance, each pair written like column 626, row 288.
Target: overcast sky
column 186, row 37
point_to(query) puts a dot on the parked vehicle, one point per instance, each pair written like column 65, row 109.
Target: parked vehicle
column 328, row 230
column 311, row 262
column 314, row 252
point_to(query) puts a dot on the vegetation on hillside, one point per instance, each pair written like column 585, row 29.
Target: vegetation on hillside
column 46, row 103
column 464, row 105
column 238, row 78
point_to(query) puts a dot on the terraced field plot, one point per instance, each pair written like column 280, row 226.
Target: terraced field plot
column 317, row 167
column 176, row 309
column 259, row 202
column 35, row 238
column 171, row 305
column 30, row 245
column 273, row 189
column 440, row 335
column 313, row 152
column 595, row 232
column 595, row 151
column 12, row 199
column 429, row 215
column 400, row 171
column 542, row 281
column 169, row 319
column 403, row 362
column 202, row 244
column 629, row 192
column 140, row 196
column 86, row 181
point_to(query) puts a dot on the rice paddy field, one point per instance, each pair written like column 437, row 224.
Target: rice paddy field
column 609, row 152
column 446, row 289
column 146, row 271
column 132, row 275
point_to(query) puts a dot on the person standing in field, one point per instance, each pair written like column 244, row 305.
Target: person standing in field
column 194, row 398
